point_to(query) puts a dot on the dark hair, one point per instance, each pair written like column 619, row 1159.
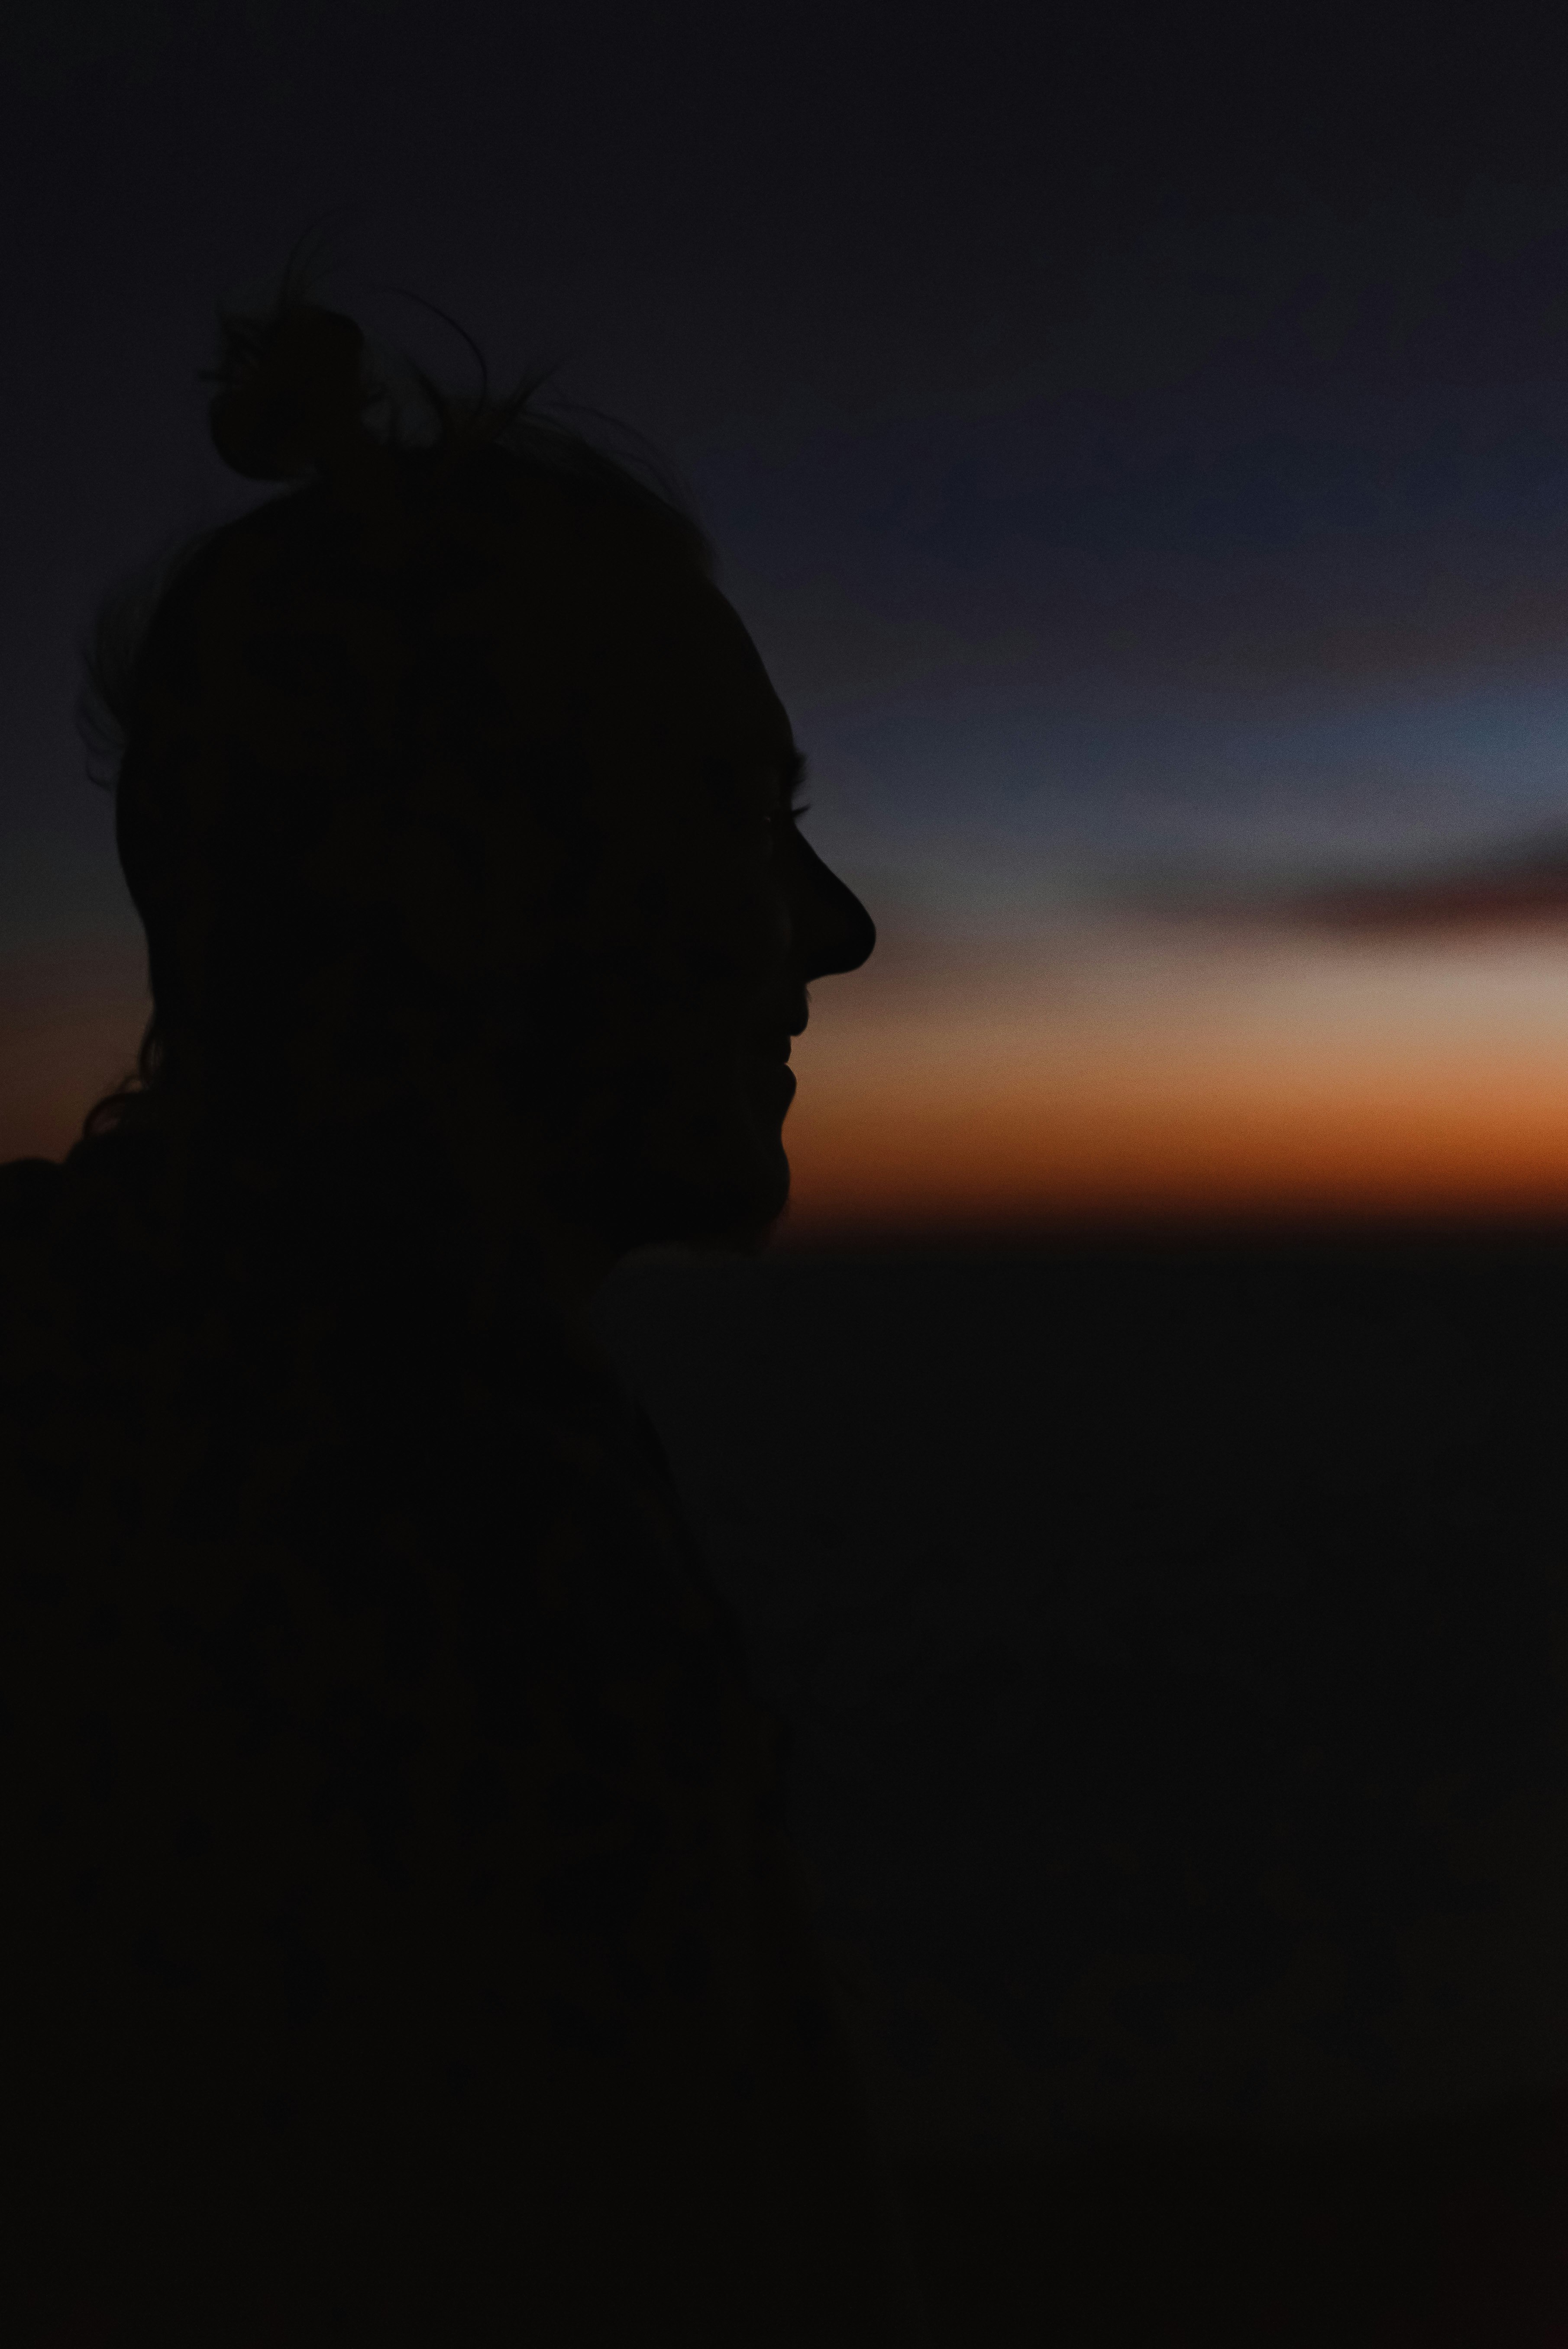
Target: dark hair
column 298, row 398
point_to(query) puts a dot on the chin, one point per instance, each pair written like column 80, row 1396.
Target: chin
column 735, row 1216
column 733, row 1209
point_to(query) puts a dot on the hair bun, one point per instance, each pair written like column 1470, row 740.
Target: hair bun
column 291, row 394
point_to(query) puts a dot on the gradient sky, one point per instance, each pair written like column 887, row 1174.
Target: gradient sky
column 1138, row 446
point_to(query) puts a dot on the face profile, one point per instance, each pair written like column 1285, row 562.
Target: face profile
column 455, row 795
column 704, row 743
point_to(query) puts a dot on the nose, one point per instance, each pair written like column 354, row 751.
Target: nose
column 834, row 931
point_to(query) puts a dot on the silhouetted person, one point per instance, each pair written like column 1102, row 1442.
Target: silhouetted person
column 402, row 1942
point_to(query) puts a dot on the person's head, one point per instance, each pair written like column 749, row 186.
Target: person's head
column 455, row 798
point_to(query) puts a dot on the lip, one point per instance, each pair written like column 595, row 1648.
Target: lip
column 773, row 1043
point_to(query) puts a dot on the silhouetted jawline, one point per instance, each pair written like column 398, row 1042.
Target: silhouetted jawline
column 742, row 1236
column 659, row 1211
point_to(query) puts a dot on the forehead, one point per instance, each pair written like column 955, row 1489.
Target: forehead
column 692, row 670
column 712, row 674
column 640, row 659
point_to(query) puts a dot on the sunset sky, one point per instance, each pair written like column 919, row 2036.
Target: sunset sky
column 1139, row 450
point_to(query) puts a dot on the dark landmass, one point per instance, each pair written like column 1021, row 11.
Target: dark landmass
column 1150, row 1608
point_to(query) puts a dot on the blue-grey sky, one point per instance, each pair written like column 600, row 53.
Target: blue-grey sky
column 1138, row 442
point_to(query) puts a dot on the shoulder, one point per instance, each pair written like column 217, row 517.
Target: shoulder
column 30, row 1192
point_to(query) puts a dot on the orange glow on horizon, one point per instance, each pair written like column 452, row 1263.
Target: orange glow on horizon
column 1126, row 1079
column 942, row 1163
column 1137, row 1083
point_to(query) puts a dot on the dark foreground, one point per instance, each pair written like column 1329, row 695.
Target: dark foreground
column 1451, row 2233
column 1172, row 1630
